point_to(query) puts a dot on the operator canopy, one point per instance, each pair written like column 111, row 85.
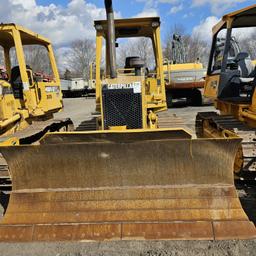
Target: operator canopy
column 27, row 37
column 243, row 18
column 140, row 27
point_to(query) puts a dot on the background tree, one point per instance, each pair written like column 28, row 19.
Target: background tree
column 79, row 57
column 36, row 57
column 194, row 47
column 67, row 74
column 141, row 47
column 247, row 41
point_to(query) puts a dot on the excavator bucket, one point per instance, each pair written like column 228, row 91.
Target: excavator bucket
column 122, row 186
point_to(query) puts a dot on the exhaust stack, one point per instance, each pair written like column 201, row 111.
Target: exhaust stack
column 111, row 40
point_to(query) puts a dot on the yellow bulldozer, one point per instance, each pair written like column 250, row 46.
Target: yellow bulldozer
column 25, row 95
column 231, row 81
column 28, row 95
column 128, row 179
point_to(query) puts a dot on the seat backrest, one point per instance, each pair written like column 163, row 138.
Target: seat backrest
column 15, row 75
column 16, row 83
column 245, row 64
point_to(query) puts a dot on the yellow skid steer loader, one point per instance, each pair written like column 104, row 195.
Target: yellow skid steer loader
column 128, row 179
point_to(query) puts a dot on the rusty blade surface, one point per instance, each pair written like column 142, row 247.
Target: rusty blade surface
column 113, row 186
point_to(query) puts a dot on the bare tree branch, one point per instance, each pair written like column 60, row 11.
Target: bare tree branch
column 81, row 54
column 141, row 47
column 194, row 47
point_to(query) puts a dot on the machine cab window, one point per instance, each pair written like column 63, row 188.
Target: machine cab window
column 217, row 52
column 233, row 58
column 135, row 55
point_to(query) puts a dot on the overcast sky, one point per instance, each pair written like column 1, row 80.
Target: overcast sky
column 63, row 21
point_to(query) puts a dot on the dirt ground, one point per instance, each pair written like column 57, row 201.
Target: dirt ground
column 132, row 248
column 80, row 109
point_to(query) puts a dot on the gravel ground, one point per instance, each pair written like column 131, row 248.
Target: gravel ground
column 79, row 109
column 133, row 248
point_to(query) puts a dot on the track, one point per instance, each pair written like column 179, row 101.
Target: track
column 237, row 128
column 88, row 125
column 5, row 179
column 165, row 120
column 168, row 120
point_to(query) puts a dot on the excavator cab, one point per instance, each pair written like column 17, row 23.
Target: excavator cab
column 183, row 79
column 231, row 75
column 26, row 94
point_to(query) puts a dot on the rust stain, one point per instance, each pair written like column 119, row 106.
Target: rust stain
column 147, row 188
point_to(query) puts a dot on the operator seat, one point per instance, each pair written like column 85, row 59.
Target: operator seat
column 240, row 83
column 16, row 82
column 134, row 62
column 247, row 79
column 15, row 75
column 246, row 67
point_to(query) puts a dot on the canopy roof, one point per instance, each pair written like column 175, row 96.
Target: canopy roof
column 137, row 27
column 243, row 18
column 27, row 37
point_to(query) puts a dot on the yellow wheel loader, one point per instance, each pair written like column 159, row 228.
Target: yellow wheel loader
column 128, row 179
column 26, row 97
column 231, row 81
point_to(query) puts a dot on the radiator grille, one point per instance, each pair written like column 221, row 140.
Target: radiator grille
column 122, row 107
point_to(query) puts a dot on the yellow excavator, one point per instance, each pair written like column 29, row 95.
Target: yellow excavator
column 231, row 81
column 183, row 79
column 128, row 179
column 26, row 96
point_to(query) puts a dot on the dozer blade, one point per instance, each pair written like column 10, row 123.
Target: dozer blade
column 119, row 186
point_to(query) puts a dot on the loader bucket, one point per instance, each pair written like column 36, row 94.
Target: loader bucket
column 124, row 185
